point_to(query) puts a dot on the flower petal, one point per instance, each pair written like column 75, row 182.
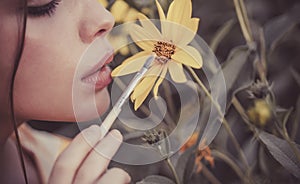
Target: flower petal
column 140, row 99
column 193, row 24
column 160, row 80
column 131, row 65
column 142, row 90
column 179, row 34
column 132, row 15
column 142, row 37
column 147, row 81
column 160, row 11
column 188, row 56
column 179, row 21
column 180, row 11
column 119, row 10
column 176, row 72
column 150, row 27
column 187, row 31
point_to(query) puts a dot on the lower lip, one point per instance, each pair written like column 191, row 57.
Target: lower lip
column 100, row 79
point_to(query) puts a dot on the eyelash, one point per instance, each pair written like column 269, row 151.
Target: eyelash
column 47, row 9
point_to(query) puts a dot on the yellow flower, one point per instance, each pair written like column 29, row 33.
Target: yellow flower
column 260, row 113
column 170, row 47
column 122, row 12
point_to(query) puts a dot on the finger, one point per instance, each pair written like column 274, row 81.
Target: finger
column 97, row 161
column 116, row 176
column 67, row 163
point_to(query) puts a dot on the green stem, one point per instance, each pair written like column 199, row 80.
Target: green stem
column 170, row 103
column 172, row 168
column 225, row 122
column 243, row 20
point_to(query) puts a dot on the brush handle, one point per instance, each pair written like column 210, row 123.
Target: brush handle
column 114, row 113
column 109, row 120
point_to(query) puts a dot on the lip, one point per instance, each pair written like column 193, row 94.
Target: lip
column 100, row 75
column 108, row 57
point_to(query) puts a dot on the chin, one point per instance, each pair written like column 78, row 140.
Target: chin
column 91, row 107
column 102, row 101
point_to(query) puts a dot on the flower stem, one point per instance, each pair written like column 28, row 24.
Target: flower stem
column 224, row 121
column 243, row 20
column 171, row 166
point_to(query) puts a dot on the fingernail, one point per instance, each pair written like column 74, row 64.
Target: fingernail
column 117, row 134
column 92, row 133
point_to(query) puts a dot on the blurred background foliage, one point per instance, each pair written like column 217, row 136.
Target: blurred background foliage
column 257, row 42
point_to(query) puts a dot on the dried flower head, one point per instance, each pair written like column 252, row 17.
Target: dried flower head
column 159, row 140
column 259, row 90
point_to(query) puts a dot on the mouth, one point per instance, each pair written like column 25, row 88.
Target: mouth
column 100, row 75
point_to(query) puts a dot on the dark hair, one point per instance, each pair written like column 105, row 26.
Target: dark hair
column 19, row 8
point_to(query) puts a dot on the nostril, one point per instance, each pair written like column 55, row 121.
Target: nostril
column 101, row 32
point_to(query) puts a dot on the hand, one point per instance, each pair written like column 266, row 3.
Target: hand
column 86, row 159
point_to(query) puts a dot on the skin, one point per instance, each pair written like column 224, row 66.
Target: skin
column 45, row 81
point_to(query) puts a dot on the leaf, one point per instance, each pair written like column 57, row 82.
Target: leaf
column 156, row 179
column 282, row 152
column 185, row 164
column 277, row 28
column 238, row 70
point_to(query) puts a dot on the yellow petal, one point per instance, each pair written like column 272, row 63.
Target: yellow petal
column 179, row 14
column 142, row 37
column 176, row 72
column 149, row 26
column 131, row 65
column 180, row 11
column 131, row 15
column 187, row 32
column 193, row 24
column 160, row 80
column 177, row 33
column 188, row 56
column 119, row 10
column 142, row 90
column 124, row 50
column 171, row 31
column 147, row 81
column 139, row 101
column 139, row 55
column 160, row 11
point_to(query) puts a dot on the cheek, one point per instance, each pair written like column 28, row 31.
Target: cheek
column 43, row 81
column 44, row 87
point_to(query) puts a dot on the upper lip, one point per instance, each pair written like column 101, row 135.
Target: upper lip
column 108, row 57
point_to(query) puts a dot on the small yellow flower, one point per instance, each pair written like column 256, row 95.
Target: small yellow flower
column 260, row 113
column 170, row 47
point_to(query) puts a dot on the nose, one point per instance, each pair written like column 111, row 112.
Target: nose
column 96, row 21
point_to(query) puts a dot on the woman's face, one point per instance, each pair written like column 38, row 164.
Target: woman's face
column 56, row 69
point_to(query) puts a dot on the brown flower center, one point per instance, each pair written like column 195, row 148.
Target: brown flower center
column 164, row 51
